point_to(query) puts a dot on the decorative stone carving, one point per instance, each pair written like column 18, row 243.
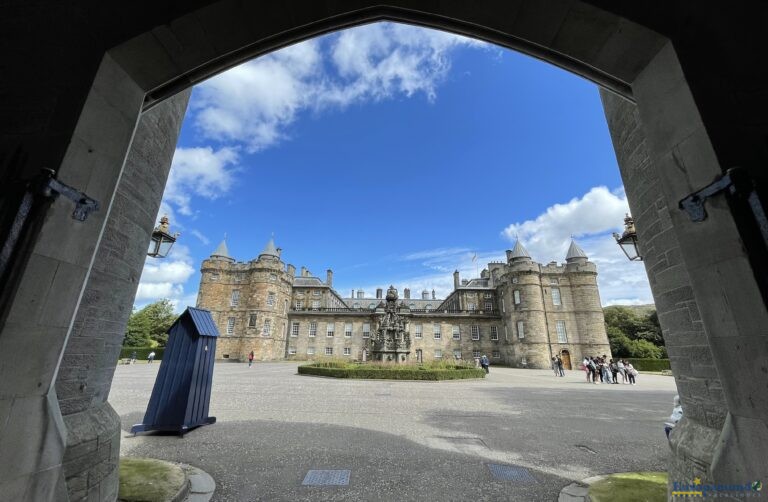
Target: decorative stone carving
column 392, row 341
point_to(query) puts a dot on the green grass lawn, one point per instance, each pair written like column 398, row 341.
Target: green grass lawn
column 631, row 487
column 148, row 480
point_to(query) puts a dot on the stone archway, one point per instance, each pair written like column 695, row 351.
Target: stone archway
column 52, row 300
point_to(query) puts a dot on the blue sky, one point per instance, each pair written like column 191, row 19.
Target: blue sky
column 394, row 154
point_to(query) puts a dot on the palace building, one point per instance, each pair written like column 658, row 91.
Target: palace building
column 519, row 313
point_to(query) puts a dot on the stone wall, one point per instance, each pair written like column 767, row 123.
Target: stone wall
column 704, row 409
column 93, row 348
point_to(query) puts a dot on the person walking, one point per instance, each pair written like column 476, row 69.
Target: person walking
column 588, row 371
column 133, row 357
column 484, row 362
column 250, row 359
column 622, row 371
column 631, row 371
column 560, row 369
column 554, row 366
column 151, row 357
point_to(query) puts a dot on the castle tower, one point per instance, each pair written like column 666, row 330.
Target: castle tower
column 589, row 338
column 249, row 302
column 524, row 311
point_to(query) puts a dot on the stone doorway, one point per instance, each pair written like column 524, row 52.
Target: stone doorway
column 566, row 357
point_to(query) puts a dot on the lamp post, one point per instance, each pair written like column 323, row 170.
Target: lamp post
column 162, row 240
column 628, row 240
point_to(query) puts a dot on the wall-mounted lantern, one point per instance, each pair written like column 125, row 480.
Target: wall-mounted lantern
column 628, row 240
column 162, row 240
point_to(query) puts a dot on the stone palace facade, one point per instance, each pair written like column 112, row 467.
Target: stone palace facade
column 519, row 313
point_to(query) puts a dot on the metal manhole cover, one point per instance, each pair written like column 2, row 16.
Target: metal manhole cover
column 326, row 478
column 511, row 473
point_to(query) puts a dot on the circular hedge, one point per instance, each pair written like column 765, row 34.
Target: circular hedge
column 390, row 371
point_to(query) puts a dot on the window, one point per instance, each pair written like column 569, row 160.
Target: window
column 514, row 280
column 356, row 305
column 294, row 329
column 330, row 328
column 348, row 329
column 273, row 277
column 562, row 336
column 215, row 276
column 438, row 354
column 291, row 351
column 494, row 333
column 487, row 295
column 310, row 351
column 411, row 305
column 516, row 295
column 329, row 351
column 313, row 329
column 457, row 354
column 252, row 321
column 475, row 332
column 495, row 354
column 523, row 361
column 315, row 304
column 437, row 332
column 239, row 277
column 520, row 330
column 366, row 330
column 475, row 353
column 267, row 329
column 456, row 333
column 471, row 306
column 488, row 306
column 271, row 299
column 417, row 329
column 230, row 325
column 371, row 306
column 234, row 300
column 553, row 281
column 347, row 351
column 428, row 306
column 555, row 296
column 316, row 292
column 299, row 304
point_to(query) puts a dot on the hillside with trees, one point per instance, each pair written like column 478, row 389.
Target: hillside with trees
column 634, row 331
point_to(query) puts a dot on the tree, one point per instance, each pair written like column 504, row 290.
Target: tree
column 148, row 327
column 634, row 334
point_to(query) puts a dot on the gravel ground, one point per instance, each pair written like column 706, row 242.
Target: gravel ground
column 406, row 440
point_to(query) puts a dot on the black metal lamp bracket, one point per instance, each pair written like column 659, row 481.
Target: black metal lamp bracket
column 84, row 205
column 735, row 181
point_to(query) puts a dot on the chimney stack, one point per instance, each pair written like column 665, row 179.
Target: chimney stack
column 353, row 293
column 425, row 295
column 433, row 295
column 291, row 271
column 303, row 271
column 329, row 277
column 407, row 293
column 456, row 280
column 359, row 294
column 379, row 293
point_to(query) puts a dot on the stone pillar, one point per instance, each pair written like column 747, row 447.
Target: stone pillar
column 92, row 351
column 694, row 440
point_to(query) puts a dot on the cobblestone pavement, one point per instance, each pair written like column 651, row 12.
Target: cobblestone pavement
column 442, row 441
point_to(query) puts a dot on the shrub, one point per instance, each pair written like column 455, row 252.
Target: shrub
column 650, row 364
column 391, row 371
column 141, row 352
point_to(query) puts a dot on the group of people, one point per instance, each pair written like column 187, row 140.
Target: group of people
column 609, row 371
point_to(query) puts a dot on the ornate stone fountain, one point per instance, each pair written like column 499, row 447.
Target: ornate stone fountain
column 392, row 341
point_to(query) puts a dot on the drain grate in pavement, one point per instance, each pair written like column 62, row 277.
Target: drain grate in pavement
column 326, row 478
column 511, row 473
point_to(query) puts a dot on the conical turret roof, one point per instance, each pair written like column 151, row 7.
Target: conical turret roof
column 270, row 249
column 574, row 252
column 222, row 252
column 519, row 251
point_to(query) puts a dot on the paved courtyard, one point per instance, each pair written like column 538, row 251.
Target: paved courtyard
column 407, row 440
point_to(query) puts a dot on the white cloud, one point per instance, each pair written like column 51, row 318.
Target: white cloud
column 591, row 219
column 198, row 171
column 255, row 102
column 165, row 278
column 202, row 238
